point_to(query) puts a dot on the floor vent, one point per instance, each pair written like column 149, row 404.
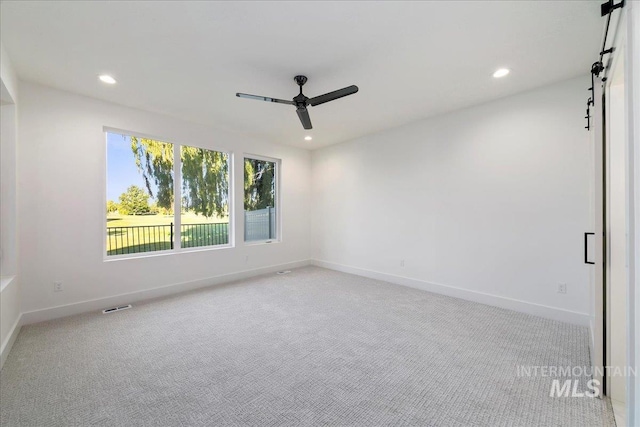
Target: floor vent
column 114, row 309
column 284, row 272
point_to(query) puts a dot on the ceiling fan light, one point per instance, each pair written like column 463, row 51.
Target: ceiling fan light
column 307, row 138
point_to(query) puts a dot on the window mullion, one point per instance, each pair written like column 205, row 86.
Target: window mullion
column 177, row 196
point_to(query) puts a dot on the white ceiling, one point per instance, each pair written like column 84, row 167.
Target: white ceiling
column 410, row 59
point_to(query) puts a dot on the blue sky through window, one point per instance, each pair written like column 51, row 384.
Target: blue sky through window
column 122, row 171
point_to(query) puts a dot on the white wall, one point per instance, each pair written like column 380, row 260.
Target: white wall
column 8, row 248
column 61, row 165
column 633, row 62
column 9, row 282
column 492, row 199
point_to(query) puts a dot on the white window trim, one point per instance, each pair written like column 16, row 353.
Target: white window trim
column 177, row 194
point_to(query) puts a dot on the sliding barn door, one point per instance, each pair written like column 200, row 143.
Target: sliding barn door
column 616, row 267
column 596, row 243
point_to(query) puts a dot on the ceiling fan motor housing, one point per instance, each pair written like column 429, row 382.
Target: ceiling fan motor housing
column 300, row 100
column 301, row 80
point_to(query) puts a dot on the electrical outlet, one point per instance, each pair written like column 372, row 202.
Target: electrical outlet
column 401, row 263
column 57, row 286
column 246, row 259
column 562, row 288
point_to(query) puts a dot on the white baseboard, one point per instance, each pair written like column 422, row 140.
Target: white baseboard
column 8, row 342
column 101, row 303
column 553, row 313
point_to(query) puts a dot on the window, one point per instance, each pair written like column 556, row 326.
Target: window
column 140, row 175
column 205, row 197
column 260, row 200
column 144, row 200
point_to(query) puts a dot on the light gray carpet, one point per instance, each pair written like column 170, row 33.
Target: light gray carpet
column 314, row 347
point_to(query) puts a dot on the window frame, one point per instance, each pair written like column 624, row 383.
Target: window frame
column 277, row 198
column 177, row 194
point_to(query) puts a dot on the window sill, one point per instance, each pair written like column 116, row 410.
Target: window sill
column 262, row 242
column 155, row 254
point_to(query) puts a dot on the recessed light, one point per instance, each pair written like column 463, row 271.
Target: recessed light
column 307, row 138
column 501, row 72
column 105, row 78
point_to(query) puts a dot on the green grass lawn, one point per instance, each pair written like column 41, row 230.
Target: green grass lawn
column 117, row 220
column 128, row 234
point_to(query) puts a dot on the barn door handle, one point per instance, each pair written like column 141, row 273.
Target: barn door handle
column 586, row 248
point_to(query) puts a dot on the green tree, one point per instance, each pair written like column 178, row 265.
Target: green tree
column 134, row 202
column 205, row 181
column 164, row 211
column 259, row 184
column 111, row 206
column 155, row 162
column 205, row 176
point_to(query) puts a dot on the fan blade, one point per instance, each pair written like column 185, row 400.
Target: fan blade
column 303, row 115
column 333, row 95
column 264, row 98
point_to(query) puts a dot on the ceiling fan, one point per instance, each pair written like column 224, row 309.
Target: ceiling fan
column 301, row 102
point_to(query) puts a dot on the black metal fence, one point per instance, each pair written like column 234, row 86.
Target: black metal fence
column 150, row 238
column 194, row 235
